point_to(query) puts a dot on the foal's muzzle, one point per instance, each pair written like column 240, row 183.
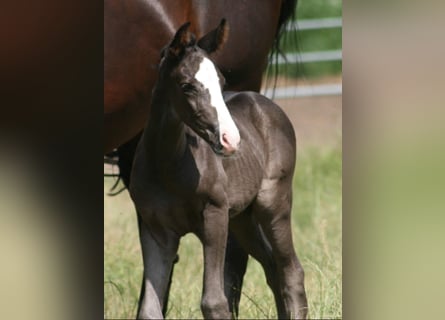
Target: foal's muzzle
column 213, row 138
column 223, row 144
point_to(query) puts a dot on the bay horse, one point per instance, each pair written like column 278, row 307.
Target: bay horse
column 136, row 30
column 206, row 163
column 134, row 33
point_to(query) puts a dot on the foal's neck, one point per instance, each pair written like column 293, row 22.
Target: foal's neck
column 166, row 131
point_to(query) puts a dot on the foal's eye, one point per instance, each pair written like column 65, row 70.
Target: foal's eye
column 187, row 87
column 198, row 115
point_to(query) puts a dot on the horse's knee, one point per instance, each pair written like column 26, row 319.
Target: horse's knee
column 215, row 307
column 295, row 295
column 299, row 273
column 294, row 279
column 301, row 292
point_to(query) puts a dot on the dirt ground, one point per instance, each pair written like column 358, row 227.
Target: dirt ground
column 317, row 120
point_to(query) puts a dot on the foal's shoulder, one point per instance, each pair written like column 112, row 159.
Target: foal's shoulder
column 251, row 100
column 256, row 107
column 243, row 98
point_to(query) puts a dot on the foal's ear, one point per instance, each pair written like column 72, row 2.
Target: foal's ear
column 215, row 39
column 182, row 39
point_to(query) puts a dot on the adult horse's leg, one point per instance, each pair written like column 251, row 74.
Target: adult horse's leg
column 142, row 291
column 214, row 238
column 272, row 209
column 158, row 257
column 125, row 162
column 235, row 265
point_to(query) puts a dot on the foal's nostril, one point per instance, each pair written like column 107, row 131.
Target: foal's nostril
column 225, row 139
column 230, row 144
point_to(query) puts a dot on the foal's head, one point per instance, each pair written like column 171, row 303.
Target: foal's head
column 194, row 86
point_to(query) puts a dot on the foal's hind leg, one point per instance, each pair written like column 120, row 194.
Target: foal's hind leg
column 158, row 258
column 235, row 266
column 250, row 236
column 273, row 210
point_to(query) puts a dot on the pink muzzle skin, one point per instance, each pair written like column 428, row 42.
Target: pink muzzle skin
column 230, row 142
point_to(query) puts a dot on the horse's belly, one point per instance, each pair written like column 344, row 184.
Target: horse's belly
column 241, row 193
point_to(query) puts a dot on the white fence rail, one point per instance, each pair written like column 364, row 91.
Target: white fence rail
column 304, row 91
column 314, row 24
column 310, row 57
column 316, row 56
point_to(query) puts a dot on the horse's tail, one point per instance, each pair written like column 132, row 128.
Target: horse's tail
column 288, row 11
column 286, row 22
column 123, row 157
column 112, row 159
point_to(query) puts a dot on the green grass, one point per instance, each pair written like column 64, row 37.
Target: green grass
column 317, row 220
column 309, row 9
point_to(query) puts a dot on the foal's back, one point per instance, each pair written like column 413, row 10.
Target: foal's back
column 267, row 150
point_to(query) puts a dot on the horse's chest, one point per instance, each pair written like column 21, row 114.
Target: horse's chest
column 163, row 208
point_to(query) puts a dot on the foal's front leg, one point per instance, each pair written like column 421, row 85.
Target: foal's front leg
column 214, row 303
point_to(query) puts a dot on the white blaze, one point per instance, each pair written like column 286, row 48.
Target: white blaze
column 228, row 132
